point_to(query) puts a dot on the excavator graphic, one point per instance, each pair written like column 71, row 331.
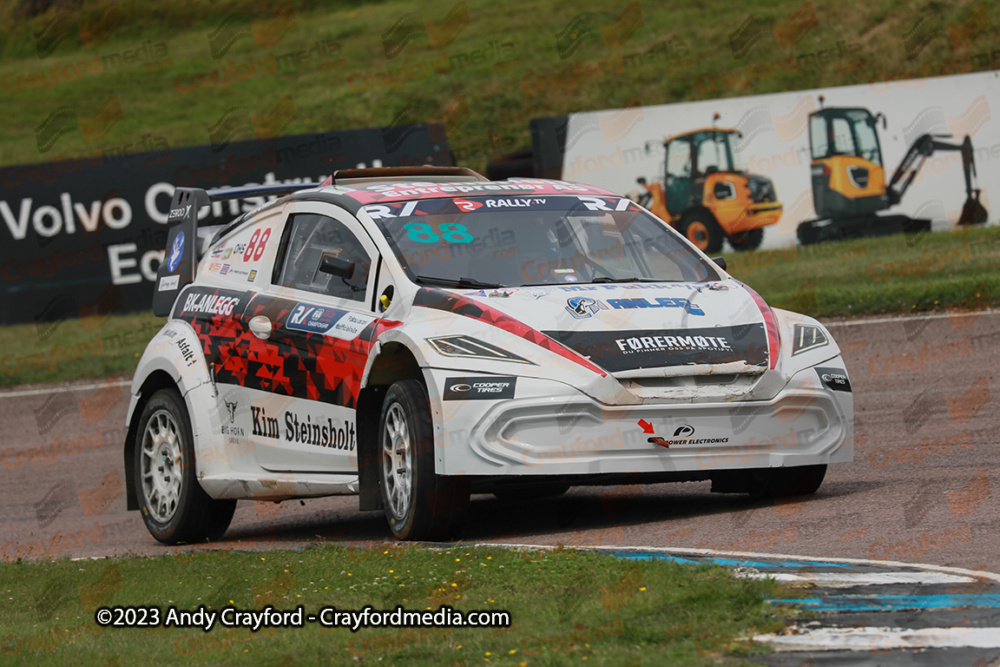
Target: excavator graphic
column 848, row 177
column 706, row 195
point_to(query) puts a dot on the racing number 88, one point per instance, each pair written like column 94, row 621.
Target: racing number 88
column 257, row 244
column 451, row 232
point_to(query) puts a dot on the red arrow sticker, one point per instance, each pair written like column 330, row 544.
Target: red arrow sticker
column 646, row 426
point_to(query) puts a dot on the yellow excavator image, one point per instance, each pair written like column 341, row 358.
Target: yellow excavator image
column 706, row 195
column 848, row 177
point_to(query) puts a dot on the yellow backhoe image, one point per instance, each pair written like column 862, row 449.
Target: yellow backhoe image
column 848, row 177
column 706, row 195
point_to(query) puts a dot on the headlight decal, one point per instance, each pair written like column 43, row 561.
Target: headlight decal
column 473, row 348
column 808, row 337
column 429, row 297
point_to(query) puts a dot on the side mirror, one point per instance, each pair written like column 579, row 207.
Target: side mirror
column 720, row 262
column 338, row 267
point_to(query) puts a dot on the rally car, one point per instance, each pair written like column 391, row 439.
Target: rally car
column 414, row 335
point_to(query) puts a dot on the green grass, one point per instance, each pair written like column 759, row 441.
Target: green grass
column 873, row 276
column 683, row 53
column 889, row 274
column 566, row 607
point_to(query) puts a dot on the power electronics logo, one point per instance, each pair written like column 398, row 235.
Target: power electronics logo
column 489, row 388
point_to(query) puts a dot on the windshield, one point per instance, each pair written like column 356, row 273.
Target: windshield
column 716, row 152
column 513, row 241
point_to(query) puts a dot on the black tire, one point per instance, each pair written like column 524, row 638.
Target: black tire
column 172, row 503
column 419, row 504
column 785, row 482
column 750, row 240
column 703, row 230
column 531, row 492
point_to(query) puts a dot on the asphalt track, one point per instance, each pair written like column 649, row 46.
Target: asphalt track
column 920, row 490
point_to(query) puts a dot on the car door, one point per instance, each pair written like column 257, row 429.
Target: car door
column 309, row 334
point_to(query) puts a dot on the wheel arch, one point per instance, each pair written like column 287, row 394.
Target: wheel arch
column 155, row 381
column 393, row 361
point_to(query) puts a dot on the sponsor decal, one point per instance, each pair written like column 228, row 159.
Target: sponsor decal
column 186, row 351
column 224, row 270
column 660, row 302
column 181, row 212
column 834, row 378
column 513, row 203
column 673, row 343
column 683, row 436
column 169, row 283
column 210, row 304
column 467, row 206
column 252, row 276
column 231, row 428
column 808, row 337
column 582, row 307
column 319, row 433
column 228, row 253
column 175, row 252
column 488, row 388
column 626, row 350
column 332, row 322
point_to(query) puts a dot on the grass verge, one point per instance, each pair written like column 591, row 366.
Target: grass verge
column 873, row 276
column 566, row 606
column 890, row 274
column 182, row 73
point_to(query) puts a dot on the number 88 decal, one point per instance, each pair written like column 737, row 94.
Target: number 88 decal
column 257, row 244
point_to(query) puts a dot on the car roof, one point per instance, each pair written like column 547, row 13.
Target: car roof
column 354, row 195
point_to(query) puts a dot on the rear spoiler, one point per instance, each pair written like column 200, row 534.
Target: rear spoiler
column 177, row 270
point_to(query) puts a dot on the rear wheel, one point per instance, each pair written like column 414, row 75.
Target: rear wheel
column 419, row 504
column 173, row 505
column 750, row 240
column 701, row 229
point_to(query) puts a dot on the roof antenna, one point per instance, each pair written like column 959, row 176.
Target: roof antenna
column 821, row 98
column 715, row 118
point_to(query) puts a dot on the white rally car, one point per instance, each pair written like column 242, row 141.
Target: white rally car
column 412, row 335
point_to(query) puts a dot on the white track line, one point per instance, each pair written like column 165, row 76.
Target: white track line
column 884, row 639
column 911, row 318
column 848, row 580
column 710, row 553
column 55, row 389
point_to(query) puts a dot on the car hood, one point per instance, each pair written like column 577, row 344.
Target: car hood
column 636, row 328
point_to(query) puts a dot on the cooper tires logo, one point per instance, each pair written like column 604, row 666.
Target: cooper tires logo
column 486, row 388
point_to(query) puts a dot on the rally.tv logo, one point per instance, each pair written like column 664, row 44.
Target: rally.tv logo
column 412, row 25
column 466, row 205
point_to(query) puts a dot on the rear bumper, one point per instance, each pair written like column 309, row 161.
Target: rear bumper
column 552, row 429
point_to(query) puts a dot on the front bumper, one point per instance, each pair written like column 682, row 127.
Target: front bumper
column 552, row 429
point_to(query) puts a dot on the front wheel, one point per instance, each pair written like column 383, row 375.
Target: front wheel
column 173, row 505
column 419, row 504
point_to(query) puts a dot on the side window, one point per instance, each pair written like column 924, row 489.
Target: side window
column 817, row 138
column 679, row 159
column 314, row 237
column 843, row 140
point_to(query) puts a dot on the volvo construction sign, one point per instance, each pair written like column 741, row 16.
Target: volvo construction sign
column 85, row 236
